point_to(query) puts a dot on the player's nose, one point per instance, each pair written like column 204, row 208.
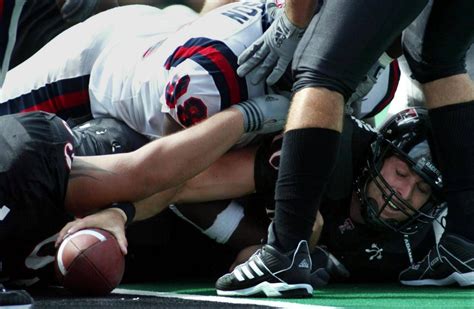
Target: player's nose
column 405, row 188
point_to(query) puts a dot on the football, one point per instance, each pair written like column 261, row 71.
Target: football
column 89, row 262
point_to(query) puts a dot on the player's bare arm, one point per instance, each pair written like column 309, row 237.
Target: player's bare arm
column 212, row 4
column 161, row 166
column 230, row 176
column 300, row 12
column 155, row 167
column 169, row 161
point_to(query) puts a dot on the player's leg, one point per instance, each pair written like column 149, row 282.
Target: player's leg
column 436, row 48
column 328, row 65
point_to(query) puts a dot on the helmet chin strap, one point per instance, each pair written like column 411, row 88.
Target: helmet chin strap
column 370, row 214
column 372, row 205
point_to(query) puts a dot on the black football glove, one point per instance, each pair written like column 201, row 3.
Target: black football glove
column 326, row 267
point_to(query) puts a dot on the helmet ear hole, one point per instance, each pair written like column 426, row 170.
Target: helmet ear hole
column 406, row 135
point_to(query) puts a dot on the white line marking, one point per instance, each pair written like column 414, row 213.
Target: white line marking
column 219, row 299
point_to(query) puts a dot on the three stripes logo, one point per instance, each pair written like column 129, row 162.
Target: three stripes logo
column 249, row 270
column 4, row 212
column 253, row 116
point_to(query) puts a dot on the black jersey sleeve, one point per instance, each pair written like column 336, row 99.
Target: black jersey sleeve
column 35, row 162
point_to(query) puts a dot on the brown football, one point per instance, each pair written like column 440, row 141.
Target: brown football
column 89, row 262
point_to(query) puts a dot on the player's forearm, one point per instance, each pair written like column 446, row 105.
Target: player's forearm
column 174, row 159
column 165, row 163
column 300, row 12
column 154, row 204
column 230, row 176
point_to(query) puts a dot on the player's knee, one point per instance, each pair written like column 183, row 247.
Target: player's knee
column 310, row 78
column 428, row 69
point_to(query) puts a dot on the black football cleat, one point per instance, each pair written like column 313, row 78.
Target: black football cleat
column 15, row 299
column 270, row 273
column 449, row 262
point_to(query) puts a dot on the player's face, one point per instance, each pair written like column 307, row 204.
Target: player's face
column 407, row 184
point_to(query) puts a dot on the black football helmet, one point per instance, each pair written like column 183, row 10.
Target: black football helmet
column 406, row 135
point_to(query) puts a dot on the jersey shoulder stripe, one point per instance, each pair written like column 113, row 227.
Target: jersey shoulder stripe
column 220, row 63
column 66, row 97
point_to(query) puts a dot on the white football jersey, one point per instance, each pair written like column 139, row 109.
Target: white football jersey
column 56, row 78
column 138, row 63
column 191, row 75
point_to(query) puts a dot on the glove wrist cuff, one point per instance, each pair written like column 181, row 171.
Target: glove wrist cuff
column 291, row 26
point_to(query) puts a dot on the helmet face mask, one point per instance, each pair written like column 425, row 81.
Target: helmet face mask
column 406, row 137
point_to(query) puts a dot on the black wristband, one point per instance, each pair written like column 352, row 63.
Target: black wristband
column 128, row 209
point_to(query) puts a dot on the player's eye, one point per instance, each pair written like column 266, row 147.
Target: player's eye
column 401, row 173
column 424, row 188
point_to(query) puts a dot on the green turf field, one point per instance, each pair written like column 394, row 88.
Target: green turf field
column 344, row 295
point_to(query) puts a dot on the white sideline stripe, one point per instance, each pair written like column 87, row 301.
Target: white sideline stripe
column 247, row 272
column 255, row 268
column 219, row 299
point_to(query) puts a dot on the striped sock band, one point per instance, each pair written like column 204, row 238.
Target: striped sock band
column 253, row 117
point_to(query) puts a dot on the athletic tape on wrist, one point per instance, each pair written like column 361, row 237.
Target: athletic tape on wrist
column 128, row 209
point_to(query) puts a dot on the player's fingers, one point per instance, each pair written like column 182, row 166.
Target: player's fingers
column 79, row 225
column 278, row 72
column 251, row 63
column 249, row 52
column 121, row 239
column 265, row 69
column 63, row 233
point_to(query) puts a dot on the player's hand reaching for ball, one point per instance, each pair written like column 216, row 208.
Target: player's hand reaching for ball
column 110, row 219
